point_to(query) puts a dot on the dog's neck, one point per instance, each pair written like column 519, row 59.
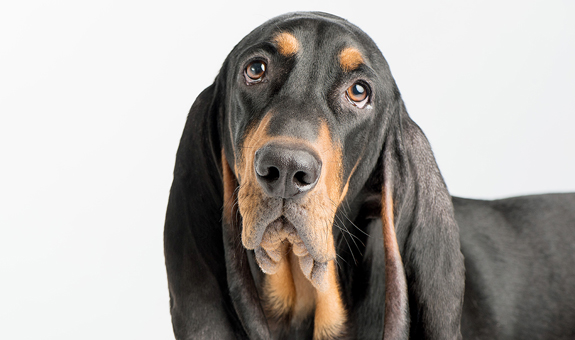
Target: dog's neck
column 290, row 295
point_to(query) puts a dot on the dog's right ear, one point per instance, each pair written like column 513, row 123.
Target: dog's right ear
column 193, row 246
column 212, row 293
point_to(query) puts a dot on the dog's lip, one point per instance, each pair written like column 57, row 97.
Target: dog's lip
column 253, row 240
column 298, row 236
column 280, row 238
column 280, row 231
column 314, row 271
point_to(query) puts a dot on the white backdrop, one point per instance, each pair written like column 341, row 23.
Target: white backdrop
column 93, row 99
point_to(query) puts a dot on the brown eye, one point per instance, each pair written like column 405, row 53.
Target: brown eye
column 357, row 93
column 255, row 71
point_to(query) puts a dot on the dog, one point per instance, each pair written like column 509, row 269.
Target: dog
column 306, row 204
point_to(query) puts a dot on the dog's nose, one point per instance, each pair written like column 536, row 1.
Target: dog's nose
column 287, row 171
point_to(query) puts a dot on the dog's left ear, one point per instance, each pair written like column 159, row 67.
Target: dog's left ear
column 417, row 207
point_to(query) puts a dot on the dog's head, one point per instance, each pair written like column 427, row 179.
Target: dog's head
column 304, row 120
column 307, row 98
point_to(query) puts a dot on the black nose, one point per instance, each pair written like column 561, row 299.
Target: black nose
column 287, row 170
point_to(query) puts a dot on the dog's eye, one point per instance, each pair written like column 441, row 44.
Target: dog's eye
column 255, row 71
column 358, row 94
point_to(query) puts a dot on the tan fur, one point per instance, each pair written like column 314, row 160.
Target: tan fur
column 280, row 290
column 330, row 315
column 331, row 170
column 346, row 186
column 230, row 185
column 289, row 292
column 305, row 292
column 250, row 193
column 395, row 320
column 350, row 59
column 286, row 43
column 387, row 216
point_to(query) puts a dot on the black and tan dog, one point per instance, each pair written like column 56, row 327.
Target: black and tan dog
column 307, row 204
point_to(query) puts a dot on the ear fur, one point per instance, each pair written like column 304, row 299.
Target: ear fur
column 193, row 246
column 396, row 319
column 198, row 246
column 427, row 233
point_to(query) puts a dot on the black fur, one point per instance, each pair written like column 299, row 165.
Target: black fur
column 519, row 264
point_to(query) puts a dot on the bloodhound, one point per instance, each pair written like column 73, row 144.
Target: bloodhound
column 306, row 204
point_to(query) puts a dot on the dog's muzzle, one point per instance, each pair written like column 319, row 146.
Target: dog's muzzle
column 289, row 171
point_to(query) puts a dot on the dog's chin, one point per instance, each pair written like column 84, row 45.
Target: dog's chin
column 281, row 237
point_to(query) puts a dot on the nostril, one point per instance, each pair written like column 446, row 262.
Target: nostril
column 303, row 178
column 270, row 174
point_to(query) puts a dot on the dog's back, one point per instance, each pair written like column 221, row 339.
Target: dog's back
column 520, row 266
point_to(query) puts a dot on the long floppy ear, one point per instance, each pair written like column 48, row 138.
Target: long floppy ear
column 207, row 299
column 417, row 206
column 396, row 317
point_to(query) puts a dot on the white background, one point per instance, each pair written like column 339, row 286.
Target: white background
column 93, row 99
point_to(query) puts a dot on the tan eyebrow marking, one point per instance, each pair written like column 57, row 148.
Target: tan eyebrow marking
column 286, row 43
column 350, row 59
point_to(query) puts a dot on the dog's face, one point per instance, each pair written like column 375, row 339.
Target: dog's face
column 307, row 100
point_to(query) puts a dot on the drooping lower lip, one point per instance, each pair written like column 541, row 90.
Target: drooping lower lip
column 281, row 238
column 313, row 270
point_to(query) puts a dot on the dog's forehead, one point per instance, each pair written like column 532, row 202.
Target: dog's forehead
column 330, row 43
column 315, row 36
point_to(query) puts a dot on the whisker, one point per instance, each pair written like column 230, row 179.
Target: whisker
column 353, row 237
column 343, row 236
column 347, row 218
column 338, row 265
